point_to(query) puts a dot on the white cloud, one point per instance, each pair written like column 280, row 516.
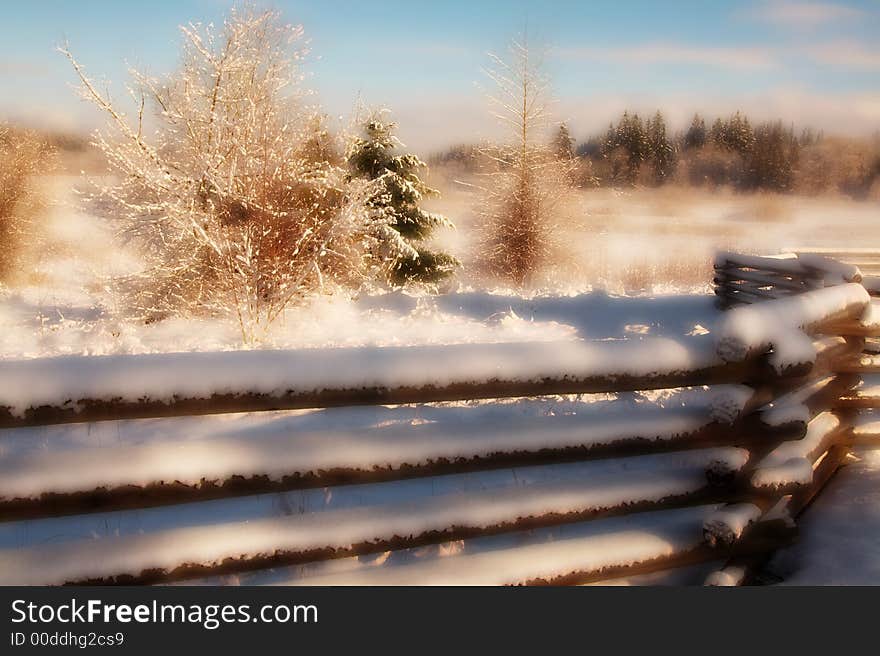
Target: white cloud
column 735, row 58
column 802, row 14
column 846, row 55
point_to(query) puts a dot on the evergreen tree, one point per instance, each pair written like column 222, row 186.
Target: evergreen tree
column 696, row 134
column 609, row 143
column 374, row 155
column 772, row 158
column 626, row 147
column 739, row 135
column 662, row 152
column 563, row 144
column 734, row 134
column 717, row 133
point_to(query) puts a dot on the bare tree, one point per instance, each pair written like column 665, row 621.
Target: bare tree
column 235, row 196
column 528, row 180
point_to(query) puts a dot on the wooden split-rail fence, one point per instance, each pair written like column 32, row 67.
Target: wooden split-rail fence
column 710, row 487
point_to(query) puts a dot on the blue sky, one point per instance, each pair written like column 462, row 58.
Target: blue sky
column 808, row 62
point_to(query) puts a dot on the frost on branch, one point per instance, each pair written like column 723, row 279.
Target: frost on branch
column 235, row 196
column 527, row 182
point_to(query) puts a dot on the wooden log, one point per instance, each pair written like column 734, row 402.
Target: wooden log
column 743, row 431
column 727, row 276
column 753, row 369
column 783, row 470
column 159, row 493
column 778, row 524
column 864, row 364
column 851, row 328
column 307, row 539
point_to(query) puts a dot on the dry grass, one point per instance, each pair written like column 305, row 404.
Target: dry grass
column 24, row 157
column 769, row 207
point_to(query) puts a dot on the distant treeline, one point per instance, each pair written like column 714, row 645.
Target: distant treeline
column 730, row 151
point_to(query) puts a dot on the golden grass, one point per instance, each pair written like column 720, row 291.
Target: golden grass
column 769, row 207
column 24, row 157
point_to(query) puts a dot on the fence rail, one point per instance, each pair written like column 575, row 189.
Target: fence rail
column 492, row 496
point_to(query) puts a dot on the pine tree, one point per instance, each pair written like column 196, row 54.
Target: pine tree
column 609, row 143
column 734, row 134
column 696, row 134
column 718, row 133
column 662, row 152
column 374, row 156
column 563, row 143
column 739, row 135
column 773, row 157
column 631, row 136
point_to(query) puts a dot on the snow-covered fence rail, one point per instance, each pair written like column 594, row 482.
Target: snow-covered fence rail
column 109, row 473
column 866, row 259
column 753, row 345
column 752, row 278
column 91, row 388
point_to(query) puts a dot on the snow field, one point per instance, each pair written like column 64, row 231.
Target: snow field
column 839, row 535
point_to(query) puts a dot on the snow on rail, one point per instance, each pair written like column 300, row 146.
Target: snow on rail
column 167, row 377
column 75, row 458
column 791, row 463
column 778, row 324
column 728, row 524
column 343, row 519
column 795, row 265
column 792, row 407
column 373, row 374
column 784, row 262
column 577, row 552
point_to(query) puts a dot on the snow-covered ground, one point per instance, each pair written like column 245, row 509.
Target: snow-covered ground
column 639, row 264
column 64, row 306
column 839, row 542
column 661, row 241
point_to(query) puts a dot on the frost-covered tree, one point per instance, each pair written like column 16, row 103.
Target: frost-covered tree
column 696, row 135
column 563, row 143
column 661, row 148
column 375, row 155
column 233, row 192
column 527, row 183
column 626, row 147
column 733, row 134
column 772, row 158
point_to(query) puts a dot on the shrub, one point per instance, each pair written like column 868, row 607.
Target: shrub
column 237, row 199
